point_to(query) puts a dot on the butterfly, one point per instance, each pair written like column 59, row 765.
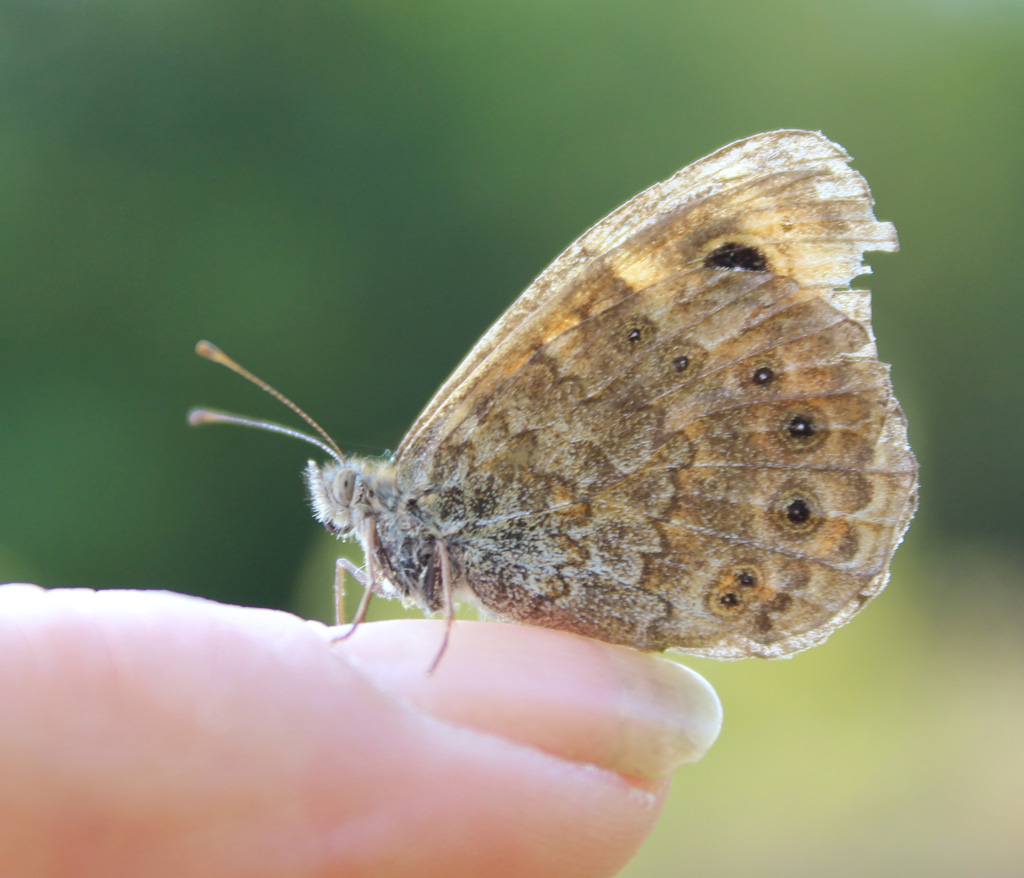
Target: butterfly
column 679, row 436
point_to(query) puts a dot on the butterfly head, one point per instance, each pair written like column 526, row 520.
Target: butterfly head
column 336, row 491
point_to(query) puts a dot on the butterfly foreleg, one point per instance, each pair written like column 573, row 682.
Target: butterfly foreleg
column 367, row 579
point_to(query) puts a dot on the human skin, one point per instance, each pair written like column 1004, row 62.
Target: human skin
column 153, row 734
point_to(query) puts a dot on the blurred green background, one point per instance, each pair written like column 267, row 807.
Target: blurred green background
column 344, row 195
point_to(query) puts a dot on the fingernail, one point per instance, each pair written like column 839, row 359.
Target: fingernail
column 670, row 716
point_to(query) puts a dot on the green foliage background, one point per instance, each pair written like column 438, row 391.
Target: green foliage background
column 344, row 195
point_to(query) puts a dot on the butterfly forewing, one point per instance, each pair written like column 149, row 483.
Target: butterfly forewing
column 679, row 435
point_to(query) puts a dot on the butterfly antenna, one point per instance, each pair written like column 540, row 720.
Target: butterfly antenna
column 214, row 354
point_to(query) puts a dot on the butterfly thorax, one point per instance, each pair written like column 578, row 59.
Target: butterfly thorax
column 362, row 498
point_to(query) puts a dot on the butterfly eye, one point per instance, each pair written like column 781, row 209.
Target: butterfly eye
column 345, row 485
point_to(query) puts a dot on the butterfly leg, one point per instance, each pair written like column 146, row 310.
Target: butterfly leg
column 446, row 599
column 368, row 580
column 357, row 572
column 341, row 567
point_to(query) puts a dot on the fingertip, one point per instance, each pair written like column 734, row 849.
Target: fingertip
column 639, row 715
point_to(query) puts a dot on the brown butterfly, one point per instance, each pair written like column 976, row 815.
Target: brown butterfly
column 679, row 436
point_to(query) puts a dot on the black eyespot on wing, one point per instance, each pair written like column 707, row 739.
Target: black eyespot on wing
column 738, row 257
column 681, row 362
column 746, row 578
column 738, row 587
column 801, row 427
column 804, row 429
column 798, row 511
column 634, row 334
column 763, row 375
